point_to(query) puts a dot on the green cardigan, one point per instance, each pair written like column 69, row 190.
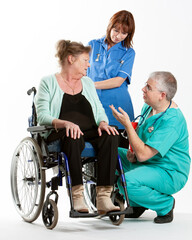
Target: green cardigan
column 49, row 99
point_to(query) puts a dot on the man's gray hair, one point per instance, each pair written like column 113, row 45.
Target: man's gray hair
column 166, row 82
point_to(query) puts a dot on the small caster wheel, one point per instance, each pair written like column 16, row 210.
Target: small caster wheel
column 118, row 219
column 50, row 214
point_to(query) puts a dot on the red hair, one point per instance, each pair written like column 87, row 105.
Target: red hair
column 125, row 20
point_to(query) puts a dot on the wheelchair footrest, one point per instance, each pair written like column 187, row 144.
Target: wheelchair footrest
column 76, row 214
column 128, row 210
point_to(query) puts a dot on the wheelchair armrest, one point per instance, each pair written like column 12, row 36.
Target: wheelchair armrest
column 39, row 129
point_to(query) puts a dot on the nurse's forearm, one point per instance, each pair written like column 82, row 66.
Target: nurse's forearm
column 110, row 83
column 142, row 151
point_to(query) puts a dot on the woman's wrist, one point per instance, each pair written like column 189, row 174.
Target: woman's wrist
column 103, row 123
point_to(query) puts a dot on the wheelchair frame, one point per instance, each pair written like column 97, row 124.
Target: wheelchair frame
column 30, row 161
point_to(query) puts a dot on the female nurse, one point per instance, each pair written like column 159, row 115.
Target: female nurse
column 111, row 61
column 159, row 166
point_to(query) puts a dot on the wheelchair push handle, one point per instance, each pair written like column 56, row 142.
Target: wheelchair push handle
column 33, row 89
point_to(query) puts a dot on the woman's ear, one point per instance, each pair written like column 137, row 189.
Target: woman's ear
column 71, row 59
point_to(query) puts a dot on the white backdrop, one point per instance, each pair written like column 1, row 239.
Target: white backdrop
column 29, row 31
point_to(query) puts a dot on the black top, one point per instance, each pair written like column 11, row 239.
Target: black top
column 77, row 109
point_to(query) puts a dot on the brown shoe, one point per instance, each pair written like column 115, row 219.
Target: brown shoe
column 78, row 199
column 103, row 200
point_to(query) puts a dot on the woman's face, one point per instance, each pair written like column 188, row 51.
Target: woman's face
column 151, row 94
column 81, row 64
column 117, row 34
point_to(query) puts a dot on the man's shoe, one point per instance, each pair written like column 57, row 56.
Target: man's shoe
column 137, row 212
column 166, row 218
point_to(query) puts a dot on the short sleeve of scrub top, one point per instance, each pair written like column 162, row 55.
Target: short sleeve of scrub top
column 125, row 70
column 169, row 138
column 165, row 132
column 163, row 138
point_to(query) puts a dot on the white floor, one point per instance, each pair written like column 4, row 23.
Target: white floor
column 143, row 228
column 12, row 226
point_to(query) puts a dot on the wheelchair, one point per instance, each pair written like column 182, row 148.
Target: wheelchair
column 30, row 161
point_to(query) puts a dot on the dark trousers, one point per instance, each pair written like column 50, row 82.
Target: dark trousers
column 106, row 149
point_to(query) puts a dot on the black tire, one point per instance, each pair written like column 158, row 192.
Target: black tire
column 50, row 214
column 118, row 219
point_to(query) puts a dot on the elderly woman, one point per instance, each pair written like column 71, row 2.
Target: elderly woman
column 68, row 101
column 159, row 164
column 112, row 59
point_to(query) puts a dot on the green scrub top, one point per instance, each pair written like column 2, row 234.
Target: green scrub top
column 169, row 138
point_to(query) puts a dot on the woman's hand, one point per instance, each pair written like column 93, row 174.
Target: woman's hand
column 103, row 126
column 131, row 156
column 121, row 116
column 72, row 130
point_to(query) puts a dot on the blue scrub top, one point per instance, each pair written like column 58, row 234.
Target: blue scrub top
column 170, row 139
column 105, row 64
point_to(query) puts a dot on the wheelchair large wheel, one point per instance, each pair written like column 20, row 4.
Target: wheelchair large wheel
column 89, row 179
column 50, row 214
column 28, row 179
column 118, row 219
column 90, row 196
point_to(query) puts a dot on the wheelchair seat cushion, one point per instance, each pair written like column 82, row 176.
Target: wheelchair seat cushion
column 88, row 151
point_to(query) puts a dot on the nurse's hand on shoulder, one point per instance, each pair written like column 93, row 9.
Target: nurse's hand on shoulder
column 103, row 126
column 131, row 156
